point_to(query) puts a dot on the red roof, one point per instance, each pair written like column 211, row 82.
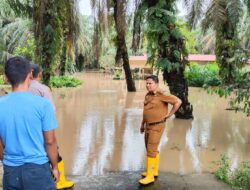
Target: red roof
column 200, row 57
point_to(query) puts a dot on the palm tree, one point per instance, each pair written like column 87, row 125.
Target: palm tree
column 48, row 35
column 83, row 50
column 55, row 26
column 136, row 28
column 223, row 17
column 166, row 49
column 69, row 22
column 122, row 52
column 103, row 26
column 244, row 30
column 15, row 29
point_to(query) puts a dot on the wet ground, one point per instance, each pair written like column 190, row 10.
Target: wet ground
column 102, row 148
column 166, row 181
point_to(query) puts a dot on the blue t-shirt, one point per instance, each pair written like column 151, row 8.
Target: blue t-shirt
column 23, row 118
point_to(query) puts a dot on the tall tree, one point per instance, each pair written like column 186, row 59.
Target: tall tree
column 122, row 52
column 15, row 26
column 224, row 18
column 136, row 28
column 166, row 49
column 55, row 24
column 69, row 22
column 48, row 35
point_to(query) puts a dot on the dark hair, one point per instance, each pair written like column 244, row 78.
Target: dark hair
column 153, row 77
column 16, row 70
column 35, row 70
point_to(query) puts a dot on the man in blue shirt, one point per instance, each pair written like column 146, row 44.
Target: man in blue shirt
column 27, row 136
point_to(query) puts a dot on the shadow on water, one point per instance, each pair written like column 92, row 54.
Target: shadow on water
column 99, row 130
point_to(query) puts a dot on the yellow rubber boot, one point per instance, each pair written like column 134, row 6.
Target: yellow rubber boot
column 156, row 169
column 150, row 172
column 63, row 183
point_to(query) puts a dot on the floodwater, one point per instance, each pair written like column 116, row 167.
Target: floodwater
column 99, row 130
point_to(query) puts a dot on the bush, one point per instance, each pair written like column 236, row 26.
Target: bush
column 117, row 74
column 200, row 76
column 239, row 179
column 223, row 173
column 64, row 81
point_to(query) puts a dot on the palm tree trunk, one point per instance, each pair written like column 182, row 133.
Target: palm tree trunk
column 47, row 35
column 42, row 18
column 62, row 66
column 172, row 51
column 122, row 52
column 136, row 30
column 178, row 87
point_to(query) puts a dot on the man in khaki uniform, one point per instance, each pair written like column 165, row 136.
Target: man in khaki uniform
column 155, row 113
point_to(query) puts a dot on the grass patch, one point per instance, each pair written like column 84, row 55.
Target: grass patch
column 238, row 179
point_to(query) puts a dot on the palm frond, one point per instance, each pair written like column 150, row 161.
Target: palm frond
column 235, row 10
column 22, row 8
column 6, row 12
column 16, row 33
column 244, row 29
column 196, row 12
column 215, row 16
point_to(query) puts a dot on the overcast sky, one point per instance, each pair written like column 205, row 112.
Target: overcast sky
column 84, row 6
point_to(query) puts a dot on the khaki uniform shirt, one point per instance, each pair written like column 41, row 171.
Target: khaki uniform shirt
column 156, row 106
column 38, row 89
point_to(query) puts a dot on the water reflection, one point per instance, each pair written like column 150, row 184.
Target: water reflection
column 99, row 130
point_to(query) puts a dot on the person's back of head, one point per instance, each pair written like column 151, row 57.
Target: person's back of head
column 35, row 70
column 16, row 70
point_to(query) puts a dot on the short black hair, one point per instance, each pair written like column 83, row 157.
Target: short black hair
column 35, row 70
column 153, row 77
column 16, row 70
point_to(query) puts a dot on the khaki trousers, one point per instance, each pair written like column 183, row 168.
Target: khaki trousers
column 152, row 139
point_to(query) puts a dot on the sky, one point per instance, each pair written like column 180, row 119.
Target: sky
column 84, row 6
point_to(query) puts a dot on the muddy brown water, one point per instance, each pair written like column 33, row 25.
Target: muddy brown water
column 99, row 130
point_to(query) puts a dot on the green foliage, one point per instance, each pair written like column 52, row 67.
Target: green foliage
column 64, row 81
column 117, row 74
column 241, row 177
column 223, row 173
column 190, row 37
column 240, row 91
column 26, row 51
column 2, row 80
column 202, row 76
column 1, row 69
column 238, row 179
column 107, row 61
column 166, row 44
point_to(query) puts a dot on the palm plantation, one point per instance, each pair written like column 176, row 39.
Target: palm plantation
column 62, row 41
column 226, row 18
